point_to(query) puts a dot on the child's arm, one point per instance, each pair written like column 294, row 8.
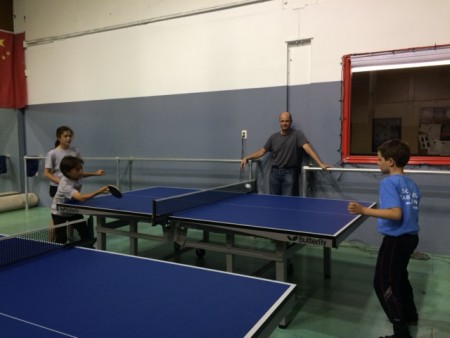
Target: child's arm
column 50, row 176
column 99, row 172
column 84, row 197
column 394, row 214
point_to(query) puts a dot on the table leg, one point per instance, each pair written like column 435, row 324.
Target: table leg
column 281, row 274
column 205, row 236
column 280, row 265
column 133, row 239
column 327, row 261
column 229, row 256
column 101, row 236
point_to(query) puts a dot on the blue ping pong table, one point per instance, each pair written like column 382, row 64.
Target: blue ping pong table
column 288, row 223
column 78, row 292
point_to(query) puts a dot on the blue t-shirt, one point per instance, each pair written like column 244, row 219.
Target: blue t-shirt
column 399, row 191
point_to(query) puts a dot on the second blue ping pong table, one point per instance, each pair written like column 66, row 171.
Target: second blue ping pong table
column 47, row 290
column 287, row 222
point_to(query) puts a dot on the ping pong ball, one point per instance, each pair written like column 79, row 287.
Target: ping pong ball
column 248, row 186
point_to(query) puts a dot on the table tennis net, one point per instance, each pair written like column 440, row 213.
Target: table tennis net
column 16, row 248
column 170, row 205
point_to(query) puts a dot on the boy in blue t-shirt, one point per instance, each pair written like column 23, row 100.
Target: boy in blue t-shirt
column 398, row 216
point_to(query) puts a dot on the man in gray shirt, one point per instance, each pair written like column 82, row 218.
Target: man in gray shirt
column 284, row 146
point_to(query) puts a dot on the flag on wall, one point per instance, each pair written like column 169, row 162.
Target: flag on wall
column 13, row 85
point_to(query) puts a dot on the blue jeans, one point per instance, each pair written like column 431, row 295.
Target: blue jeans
column 282, row 181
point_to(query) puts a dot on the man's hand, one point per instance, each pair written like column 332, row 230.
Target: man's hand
column 243, row 162
column 325, row 166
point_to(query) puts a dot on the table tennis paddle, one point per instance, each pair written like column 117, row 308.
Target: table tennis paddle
column 115, row 191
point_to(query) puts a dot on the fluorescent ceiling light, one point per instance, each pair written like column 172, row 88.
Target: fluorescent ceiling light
column 413, row 58
column 400, row 66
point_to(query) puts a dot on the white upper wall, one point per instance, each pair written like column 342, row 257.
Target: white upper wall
column 235, row 48
column 44, row 18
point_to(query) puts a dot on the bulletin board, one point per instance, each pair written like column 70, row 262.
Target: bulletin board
column 434, row 131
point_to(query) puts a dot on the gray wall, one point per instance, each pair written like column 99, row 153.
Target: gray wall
column 201, row 125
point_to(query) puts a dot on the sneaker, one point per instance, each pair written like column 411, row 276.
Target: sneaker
column 413, row 320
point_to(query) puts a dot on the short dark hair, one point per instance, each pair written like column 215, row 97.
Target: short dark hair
column 68, row 163
column 397, row 150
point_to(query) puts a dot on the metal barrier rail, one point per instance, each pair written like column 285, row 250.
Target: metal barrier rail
column 130, row 160
column 370, row 170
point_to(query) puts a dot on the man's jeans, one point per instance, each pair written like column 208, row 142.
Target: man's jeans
column 282, row 181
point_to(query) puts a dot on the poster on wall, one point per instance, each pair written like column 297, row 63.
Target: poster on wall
column 434, row 127
column 384, row 129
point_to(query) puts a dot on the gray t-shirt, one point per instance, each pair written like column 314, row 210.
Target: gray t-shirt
column 54, row 158
column 284, row 149
column 66, row 189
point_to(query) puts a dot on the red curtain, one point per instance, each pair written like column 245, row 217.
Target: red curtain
column 13, row 85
